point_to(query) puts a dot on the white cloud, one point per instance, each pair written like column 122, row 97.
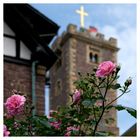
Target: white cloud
column 122, row 12
column 127, row 54
column 119, row 21
column 124, row 30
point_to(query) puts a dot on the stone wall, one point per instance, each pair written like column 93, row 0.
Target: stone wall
column 75, row 47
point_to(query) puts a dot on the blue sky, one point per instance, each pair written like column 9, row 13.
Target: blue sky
column 113, row 20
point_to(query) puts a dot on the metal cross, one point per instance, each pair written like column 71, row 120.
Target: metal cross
column 82, row 14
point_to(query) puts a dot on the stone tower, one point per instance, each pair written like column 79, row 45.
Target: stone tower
column 79, row 51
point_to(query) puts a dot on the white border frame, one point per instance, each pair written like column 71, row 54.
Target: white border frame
column 73, row 1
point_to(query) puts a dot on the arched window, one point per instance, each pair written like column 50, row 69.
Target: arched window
column 90, row 56
column 96, row 58
column 93, row 58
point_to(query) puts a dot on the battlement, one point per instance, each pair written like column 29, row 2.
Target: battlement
column 85, row 33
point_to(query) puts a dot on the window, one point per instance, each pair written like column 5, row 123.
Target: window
column 93, row 57
column 90, row 56
column 25, row 53
column 9, row 41
column 13, row 46
column 9, row 47
column 93, row 54
column 8, row 30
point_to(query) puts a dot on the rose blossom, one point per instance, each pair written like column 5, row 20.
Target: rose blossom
column 76, row 96
column 5, row 132
column 68, row 133
column 15, row 104
column 70, row 129
column 105, row 68
column 56, row 124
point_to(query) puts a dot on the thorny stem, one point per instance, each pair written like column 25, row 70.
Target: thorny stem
column 103, row 109
column 98, row 89
column 115, row 99
column 27, row 115
column 94, row 113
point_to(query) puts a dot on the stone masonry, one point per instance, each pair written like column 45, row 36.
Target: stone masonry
column 75, row 49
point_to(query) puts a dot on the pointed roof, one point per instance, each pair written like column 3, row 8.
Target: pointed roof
column 34, row 29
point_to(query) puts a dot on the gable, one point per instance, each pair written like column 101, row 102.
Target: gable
column 14, row 46
column 33, row 29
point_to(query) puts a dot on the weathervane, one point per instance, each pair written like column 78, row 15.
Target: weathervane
column 82, row 13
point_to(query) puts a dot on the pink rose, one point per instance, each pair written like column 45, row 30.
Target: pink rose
column 68, row 133
column 56, row 124
column 5, row 132
column 76, row 96
column 105, row 68
column 70, row 129
column 15, row 104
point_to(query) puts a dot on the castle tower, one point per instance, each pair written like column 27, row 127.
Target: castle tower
column 79, row 51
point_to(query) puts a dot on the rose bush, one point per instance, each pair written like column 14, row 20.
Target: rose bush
column 81, row 117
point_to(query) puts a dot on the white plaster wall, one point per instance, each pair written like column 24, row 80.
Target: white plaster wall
column 7, row 30
column 25, row 53
column 9, row 47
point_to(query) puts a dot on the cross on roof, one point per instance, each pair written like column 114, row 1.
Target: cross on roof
column 82, row 14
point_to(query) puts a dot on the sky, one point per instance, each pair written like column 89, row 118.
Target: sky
column 113, row 20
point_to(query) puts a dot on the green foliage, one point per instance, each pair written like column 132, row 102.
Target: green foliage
column 88, row 103
column 84, row 115
column 116, row 86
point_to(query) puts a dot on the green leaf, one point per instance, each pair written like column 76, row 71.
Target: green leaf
column 131, row 111
column 119, row 107
column 42, row 121
column 116, row 86
column 93, row 122
column 109, row 107
column 74, row 133
column 45, row 123
column 52, row 120
column 101, row 133
column 117, row 77
column 86, row 103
